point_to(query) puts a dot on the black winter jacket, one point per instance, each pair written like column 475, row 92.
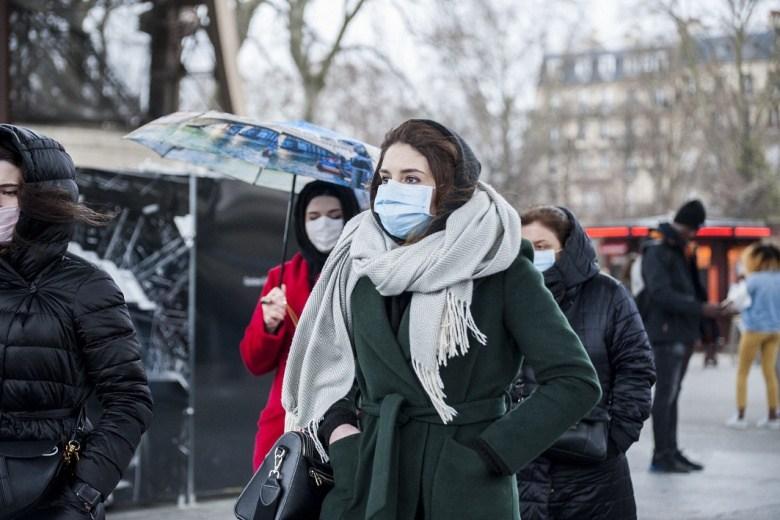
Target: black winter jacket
column 65, row 331
column 604, row 316
column 673, row 293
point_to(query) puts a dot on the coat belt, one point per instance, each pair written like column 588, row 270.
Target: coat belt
column 391, row 413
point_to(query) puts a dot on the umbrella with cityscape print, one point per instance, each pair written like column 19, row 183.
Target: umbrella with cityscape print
column 249, row 150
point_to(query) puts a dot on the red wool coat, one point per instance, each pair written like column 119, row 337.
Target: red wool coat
column 263, row 352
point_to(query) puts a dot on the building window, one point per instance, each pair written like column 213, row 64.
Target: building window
column 583, row 69
column 582, row 128
column 607, row 67
column 661, row 98
column 774, row 117
column 747, row 83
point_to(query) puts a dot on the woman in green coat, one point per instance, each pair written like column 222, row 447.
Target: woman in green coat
column 427, row 307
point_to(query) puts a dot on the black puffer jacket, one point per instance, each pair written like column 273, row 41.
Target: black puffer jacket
column 604, row 316
column 65, row 331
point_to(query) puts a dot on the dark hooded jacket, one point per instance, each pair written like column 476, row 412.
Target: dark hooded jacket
column 65, row 332
column 673, row 294
column 604, row 316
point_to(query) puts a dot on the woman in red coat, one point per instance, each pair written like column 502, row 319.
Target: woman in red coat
column 320, row 214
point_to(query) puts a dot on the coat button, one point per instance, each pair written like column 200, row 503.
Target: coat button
column 33, row 289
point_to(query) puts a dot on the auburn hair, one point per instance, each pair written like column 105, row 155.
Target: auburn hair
column 552, row 218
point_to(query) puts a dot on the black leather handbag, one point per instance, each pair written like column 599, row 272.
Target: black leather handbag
column 290, row 484
column 29, row 468
column 584, row 443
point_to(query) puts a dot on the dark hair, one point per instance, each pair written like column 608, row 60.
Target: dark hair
column 10, row 155
column 49, row 204
column 761, row 256
column 441, row 152
column 554, row 219
column 56, row 206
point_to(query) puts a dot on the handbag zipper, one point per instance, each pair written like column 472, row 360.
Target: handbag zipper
column 320, row 478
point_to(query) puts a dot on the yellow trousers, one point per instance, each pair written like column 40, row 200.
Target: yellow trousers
column 750, row 343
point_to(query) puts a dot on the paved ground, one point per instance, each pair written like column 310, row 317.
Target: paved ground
column 741, row 481
column 742, row 475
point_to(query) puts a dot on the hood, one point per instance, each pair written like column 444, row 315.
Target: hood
column 349, row 206
column 46, row 164
column 671, row 236
column 577, row 263
column 468, row 168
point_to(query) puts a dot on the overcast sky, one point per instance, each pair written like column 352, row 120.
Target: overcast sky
column 612, row 23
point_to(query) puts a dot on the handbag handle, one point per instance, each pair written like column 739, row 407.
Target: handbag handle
column 271, row 489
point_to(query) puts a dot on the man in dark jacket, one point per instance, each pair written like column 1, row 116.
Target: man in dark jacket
column 673, row 307
column 66, row 333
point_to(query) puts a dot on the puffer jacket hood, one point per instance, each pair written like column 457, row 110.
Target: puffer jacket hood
column 577, row 263
column 46, row 164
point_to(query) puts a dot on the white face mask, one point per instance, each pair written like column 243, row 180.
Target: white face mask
column 9, row 216
column 324, row 232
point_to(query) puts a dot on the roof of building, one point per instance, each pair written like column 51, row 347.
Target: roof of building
column 603, row 66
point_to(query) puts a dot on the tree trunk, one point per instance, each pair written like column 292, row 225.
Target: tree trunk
column 161, row 22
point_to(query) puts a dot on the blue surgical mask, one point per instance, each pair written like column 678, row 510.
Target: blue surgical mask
column 403, row 208
column 544, row 259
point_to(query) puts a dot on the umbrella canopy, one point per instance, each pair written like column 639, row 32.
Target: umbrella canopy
column 251, row 151
column 247, row 150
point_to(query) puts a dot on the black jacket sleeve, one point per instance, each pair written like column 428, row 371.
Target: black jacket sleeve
column 343, row 411
column 115, row 370
column 659, row 286
column 631, row 359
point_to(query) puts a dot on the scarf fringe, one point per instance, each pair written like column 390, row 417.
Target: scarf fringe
column 311, row 429
column 434, row 387
column 457, row 322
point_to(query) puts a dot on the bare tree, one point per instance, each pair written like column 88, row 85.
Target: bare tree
column 488, row 54
column 59, row 70
column 730, row 108
column 304, row 45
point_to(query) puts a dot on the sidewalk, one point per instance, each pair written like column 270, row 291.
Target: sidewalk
column 741, row 480
column 742, row 475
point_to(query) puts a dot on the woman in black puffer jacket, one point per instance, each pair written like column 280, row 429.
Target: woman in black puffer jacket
column 65, row 330
column 604, row 316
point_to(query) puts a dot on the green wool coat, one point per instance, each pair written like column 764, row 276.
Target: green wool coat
column 406, row 464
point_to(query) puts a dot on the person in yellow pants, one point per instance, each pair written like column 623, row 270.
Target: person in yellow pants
column 761, row 320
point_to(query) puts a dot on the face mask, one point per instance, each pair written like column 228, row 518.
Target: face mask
column 324, row 232
column 403, row 208
column 8, row 219
column 544, row 259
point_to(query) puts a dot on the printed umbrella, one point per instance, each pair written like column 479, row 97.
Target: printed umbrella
column 250, row 150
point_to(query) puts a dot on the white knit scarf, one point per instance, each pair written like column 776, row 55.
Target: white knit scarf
column 481, row 238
